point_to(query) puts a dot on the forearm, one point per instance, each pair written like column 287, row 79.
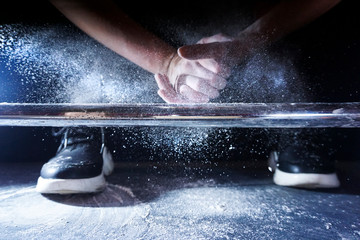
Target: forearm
column 106, row 23
column 284, row 18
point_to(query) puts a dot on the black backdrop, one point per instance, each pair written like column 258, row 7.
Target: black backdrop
column 327, row 58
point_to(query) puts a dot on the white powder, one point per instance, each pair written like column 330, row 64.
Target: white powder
column 61, row 64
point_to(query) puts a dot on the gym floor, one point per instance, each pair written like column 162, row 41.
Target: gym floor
column 232, row 200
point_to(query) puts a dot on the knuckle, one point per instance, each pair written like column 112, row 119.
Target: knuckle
column 182, row 89
column 221, row 35
column 220, row 84
column 215, row 94
column 197, row 84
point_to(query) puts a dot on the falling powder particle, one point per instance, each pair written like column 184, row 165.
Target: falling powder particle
column 59, row 63
column 64, row 65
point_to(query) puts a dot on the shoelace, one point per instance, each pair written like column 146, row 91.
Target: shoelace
column 69, row 135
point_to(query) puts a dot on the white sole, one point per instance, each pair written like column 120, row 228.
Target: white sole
column 70, row 186
column 306, row 180
column 84, row 185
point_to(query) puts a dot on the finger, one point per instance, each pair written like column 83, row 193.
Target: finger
column 217, row 82
column 202, row 86
column 166, row 91
column 219, row 69
column 200, row 71
column 171, row 98
column 200, row 51
column 208, row 69
column 215, row 38
column 213, row 79
column 211, row 65
column 165, row 96
column 163, row 82
column 225, row 72
column 193, row 95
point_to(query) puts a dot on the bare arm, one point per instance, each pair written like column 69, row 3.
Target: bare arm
column 284, row 18
column 106, row 23
column 197, row 72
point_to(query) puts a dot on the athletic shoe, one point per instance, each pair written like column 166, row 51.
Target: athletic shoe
column 80, row 165
column 299, row 167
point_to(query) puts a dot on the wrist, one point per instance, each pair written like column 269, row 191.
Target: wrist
column 167, row 63
column 253, row 40
column 246, row 44
column 169, row 67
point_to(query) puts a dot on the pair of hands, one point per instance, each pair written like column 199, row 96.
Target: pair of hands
column 197, row 72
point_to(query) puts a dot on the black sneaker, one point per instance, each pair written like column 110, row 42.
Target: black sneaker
column 80, row 165
column 296, row 166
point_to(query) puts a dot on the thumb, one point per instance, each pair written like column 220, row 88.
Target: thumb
column 199, row 51
column 163, row 82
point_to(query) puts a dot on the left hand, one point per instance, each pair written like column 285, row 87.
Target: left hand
column 170, row 95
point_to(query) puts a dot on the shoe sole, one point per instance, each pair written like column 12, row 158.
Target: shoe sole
column 306, row 180
column 84, row 185
column 70, row 186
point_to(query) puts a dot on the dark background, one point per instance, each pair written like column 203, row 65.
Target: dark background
column 327, row 56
